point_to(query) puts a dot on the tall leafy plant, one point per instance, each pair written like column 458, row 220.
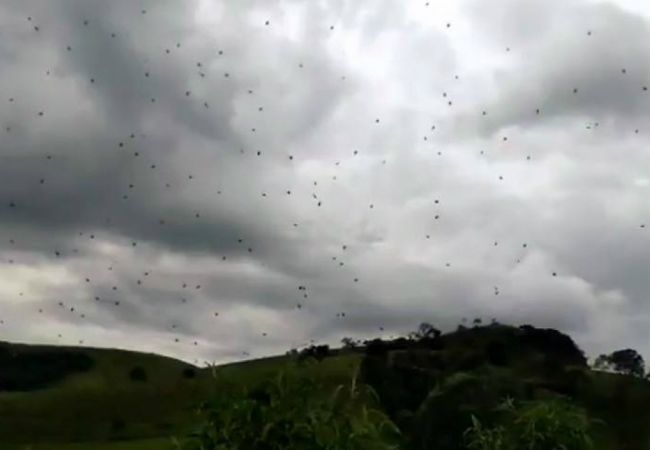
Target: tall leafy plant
column 293, row 411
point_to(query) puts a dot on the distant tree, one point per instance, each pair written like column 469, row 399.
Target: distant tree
column 602, row 362
column 293, row 352
column 626, row 361
column 426, row 331
column 318, row 352
column 477, row 322
column 348, row 343
column 138, row 374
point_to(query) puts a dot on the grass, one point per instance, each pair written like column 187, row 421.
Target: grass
column 83, row 411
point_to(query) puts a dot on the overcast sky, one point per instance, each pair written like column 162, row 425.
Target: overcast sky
column 279, row 163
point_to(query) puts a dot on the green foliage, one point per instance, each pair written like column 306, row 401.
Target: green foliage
column 293, row 412
column 537, row 425
column 627, row 361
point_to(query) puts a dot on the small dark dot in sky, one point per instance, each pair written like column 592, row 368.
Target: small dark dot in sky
column 623, row 71
column 575, row 90
column 167, row 50
column 85, row 22
column 588, row 33
column 448, row 25
column 645, row 88
column 267, row 22
column 40, row 113
column 554, row 274
column 112, row 35
column 505, row 138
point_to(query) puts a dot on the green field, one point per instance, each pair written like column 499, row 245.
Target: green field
column 105, row 409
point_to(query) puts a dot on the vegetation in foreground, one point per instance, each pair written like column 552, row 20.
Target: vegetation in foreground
column 481, row 387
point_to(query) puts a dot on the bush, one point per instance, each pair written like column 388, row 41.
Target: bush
column 138, row 374
column 288, row 413
column 538, row 425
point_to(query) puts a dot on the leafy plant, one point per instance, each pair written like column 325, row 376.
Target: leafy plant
column 538, row 425
column 292, row 411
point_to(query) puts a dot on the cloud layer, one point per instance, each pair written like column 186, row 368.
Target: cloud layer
column 210, row 180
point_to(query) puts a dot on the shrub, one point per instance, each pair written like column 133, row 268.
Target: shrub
column 537, row 425
column 289, row 413
column 138, row 374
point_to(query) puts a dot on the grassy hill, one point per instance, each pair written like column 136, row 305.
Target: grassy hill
column 81, row 407
column 71, row 398
column 98, row 401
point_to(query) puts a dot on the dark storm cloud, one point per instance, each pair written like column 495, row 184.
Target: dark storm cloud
column 90, row 170
column 326, row 128
column 599, row 49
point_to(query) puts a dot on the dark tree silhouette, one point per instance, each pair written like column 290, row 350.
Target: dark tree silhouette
column 626, row 361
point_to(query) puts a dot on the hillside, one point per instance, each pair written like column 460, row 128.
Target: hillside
column 67, row 394
column 428, row 385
